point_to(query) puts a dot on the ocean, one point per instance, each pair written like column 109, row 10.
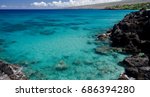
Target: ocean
column 60, row 44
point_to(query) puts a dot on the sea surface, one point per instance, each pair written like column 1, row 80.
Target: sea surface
column 60, row 44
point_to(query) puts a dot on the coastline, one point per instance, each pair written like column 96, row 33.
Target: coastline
column 136, row 6
column 131, row 34
column 104, row 5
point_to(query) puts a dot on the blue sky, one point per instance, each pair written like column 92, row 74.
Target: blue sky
column 47, row 3
column 19, row 3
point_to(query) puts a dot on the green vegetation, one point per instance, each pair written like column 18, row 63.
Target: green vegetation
column 131, row 6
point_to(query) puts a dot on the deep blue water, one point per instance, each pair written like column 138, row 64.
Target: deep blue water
column 40, row 40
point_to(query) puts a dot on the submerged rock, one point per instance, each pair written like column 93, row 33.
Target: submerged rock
column 2, row 49
column 2, row 41
column 11, row 72
column 77, row 62
column 26, row 63
column 103, row 36
column 88, row 62
column 61, row 66
column 97, row 42
column 47, row 32
column 89, row 42
column 103, row 50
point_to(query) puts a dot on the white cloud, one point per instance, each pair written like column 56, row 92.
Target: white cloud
column 3, row 6
column 39, row 4
column 69, row 3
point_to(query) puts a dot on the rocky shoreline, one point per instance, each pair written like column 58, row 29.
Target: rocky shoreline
column 132, row 34
column 11, row 72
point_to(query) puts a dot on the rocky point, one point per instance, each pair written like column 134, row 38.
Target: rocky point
column 132, row 34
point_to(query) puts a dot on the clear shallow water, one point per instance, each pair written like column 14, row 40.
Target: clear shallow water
column 39, row 40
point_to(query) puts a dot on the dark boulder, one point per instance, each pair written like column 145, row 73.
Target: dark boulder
column 145, row 72
column 137, row 66
column 11, row 72
column 132, row 72
column 145, row 47
column 136, row 61
column 5, row 68
column 133, row 29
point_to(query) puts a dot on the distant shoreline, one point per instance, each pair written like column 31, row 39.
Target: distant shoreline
column 93, row 6
column 137, row 6
column 104, row 5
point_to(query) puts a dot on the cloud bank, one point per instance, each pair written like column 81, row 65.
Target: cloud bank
column 39, row 4
column 3, row 6
column 61, row 4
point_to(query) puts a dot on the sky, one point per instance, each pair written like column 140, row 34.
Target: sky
column 26, row 4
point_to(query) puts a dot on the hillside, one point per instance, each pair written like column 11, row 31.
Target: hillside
column 104, row 5
column 131, row 6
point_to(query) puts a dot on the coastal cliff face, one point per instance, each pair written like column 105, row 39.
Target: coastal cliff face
column 10, row 72
column 132, row 34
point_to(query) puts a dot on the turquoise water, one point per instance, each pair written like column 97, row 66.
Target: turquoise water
column 39, row 40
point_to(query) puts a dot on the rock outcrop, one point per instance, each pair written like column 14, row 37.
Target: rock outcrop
column 61, row 66
column 11, row 72
column 137, row 66
column 132, row 34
